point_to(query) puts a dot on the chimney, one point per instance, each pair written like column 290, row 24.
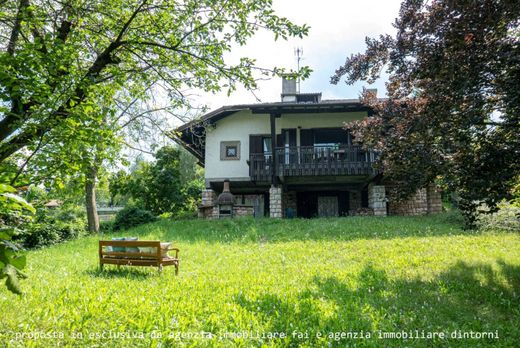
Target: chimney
column 288, row 89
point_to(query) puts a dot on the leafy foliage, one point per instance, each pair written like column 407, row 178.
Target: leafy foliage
column 132, row 216
column 53, row 227
column 14, row 212
column 171, row 184
column 506, row 218
column 453, row 111
column 65, row 61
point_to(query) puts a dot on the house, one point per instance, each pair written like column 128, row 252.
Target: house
column 291, row 159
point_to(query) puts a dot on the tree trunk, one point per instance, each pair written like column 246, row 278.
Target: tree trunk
column 90, row 200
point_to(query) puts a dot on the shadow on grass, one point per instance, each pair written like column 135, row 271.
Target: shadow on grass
column 122, row 272
column 475, row 297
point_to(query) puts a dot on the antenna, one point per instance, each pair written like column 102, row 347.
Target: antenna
column 298, row 52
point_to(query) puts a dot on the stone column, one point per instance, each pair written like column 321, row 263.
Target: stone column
column 275, row 202
column 377, row 199
column 434, row 199
column 209, row 197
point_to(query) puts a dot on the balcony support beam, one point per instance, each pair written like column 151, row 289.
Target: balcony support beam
column 274, row 167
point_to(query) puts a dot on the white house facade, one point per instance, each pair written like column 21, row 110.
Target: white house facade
column 292, row 159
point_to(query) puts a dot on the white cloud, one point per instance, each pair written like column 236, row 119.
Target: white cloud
column 338, row 29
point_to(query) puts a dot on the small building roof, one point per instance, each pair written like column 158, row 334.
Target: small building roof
column 53, row 203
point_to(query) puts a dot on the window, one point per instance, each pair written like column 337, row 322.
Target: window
column 266, row 144
column 230, row 150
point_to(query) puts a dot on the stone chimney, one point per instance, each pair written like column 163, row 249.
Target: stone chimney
column 288, row 89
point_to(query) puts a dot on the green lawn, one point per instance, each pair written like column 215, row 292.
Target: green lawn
column 266, row 277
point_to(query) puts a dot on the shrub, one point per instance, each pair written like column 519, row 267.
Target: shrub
column 52, row 226
column 132, row 216
column 106, row 226
column 38, row 235
column 507, row 218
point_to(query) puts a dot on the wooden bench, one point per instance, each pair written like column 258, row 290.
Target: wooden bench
column 107, row 255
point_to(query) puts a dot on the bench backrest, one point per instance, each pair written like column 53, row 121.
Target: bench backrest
column 130, row 243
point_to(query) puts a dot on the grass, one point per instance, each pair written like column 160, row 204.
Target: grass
column 302, row 278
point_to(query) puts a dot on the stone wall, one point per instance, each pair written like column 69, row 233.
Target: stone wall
column 275, row 202
column 289, row 202
column 243, row 210
column 361, row 212
column 424, row 201
column 208, row 212
column 434, row 200
column 209, row 197
column 377, row 199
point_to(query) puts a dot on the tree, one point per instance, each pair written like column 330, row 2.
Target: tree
column 453, row 111
column 171, row 184
column 66, row 63
column 14, row 212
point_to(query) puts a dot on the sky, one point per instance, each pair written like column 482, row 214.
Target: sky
column 338, row 29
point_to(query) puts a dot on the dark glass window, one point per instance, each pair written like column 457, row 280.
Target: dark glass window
column 328, row 137
column 231, row 151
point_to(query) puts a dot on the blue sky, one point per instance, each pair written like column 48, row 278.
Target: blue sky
column 338, row 29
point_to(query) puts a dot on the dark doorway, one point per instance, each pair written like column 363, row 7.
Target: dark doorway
column 324, row 203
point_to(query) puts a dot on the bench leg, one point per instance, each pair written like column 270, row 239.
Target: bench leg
column 176, row 269
column 160, row 268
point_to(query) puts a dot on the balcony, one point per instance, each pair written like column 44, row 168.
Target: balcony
column 339, row 160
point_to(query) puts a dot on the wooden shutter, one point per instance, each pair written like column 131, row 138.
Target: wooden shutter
column 279, row 140
column 255, row 144
column 292, row 137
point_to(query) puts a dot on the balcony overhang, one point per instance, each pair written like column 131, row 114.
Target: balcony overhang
column 192, row 135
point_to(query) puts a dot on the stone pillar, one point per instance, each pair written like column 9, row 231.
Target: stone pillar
column 434, row 199
column 377, row 199
column 275, row 202
column 209, row 197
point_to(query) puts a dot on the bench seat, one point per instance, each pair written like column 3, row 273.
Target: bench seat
column 133, row 258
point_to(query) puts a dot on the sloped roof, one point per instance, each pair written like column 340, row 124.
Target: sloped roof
column 192, row 134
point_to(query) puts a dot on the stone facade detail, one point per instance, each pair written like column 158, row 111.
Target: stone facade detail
column 275, row 202
column 361, row 212
column 243, row 210
column 209, row 197
column 424, row 201
column 211, row 212
column 414, row 205
column 377, row 199
column 208, row 212
column 209, row 208
column 434, row 199
column 289, row 203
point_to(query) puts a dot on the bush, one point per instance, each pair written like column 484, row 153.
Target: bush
column 132, row 216
column 38, row 235
column 106, row 226
column 507, row 218
column 52, row 226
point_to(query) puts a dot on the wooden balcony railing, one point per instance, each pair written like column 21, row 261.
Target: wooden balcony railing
column 312, row 161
